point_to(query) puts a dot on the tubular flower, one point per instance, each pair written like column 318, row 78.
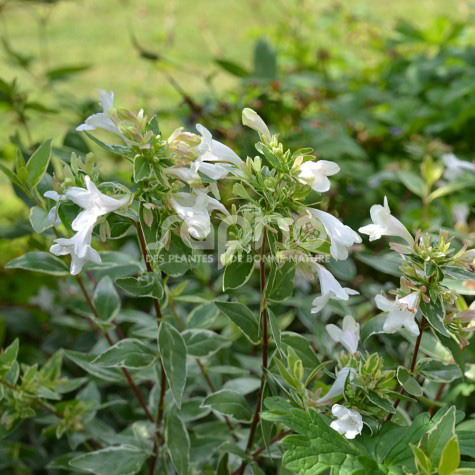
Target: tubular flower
column 330, row 289
column 315, row 174
column 348, row 423
column 194, row 209
column 385, row 224
column 103, row 120
column 349, row 336
column 341, row 236
column 401, row 312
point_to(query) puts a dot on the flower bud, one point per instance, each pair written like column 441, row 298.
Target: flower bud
column 252, row 120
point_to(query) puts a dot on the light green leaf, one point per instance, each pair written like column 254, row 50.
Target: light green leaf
column 204, row 343
column 238, row 272
column 106, row 299
column 412, row 182
column 242, row 317
column 178, row 443
column 302, row 347
column 128, row 353
column 450, row 458
column 117, row 460
column 39, row 219
column 39, row 262
column 38, row 163
column 423, row 464
column 9, row 355
column 230, row 403
column 142, row 169
column 172, row 349
column 275, row 329
column 436, row 438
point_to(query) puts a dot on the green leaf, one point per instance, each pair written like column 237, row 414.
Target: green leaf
column 388, row 263
column 178, row 443
column 438, row 371
column 302, row 347
column 146, row 284
column 38, row 163
column 142, row 169
column 232, row 68
column 280, row 282
column 39, row 262
column 117, row 149
column 275, row 329
column 435, row 314
column 424, row 467
column 204, row 343
column 265, row 60
column 128, row 353
column 412, row 182
column 458, row 273
column 450, row 458
column 238, row 272
column 39, row 219
column 436, row 438
column 118, row 460
column 454, row 347
column 106, row 299
column 172, row 349
column 242, row 317
column 9, row 355
column 316, row 447
column 11, row 176
column 408, row 382
column 230, row 403
column 84, row 361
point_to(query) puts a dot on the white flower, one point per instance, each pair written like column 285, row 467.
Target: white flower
column 194, row 209
column 315, row 174
column 78, row 247
column 385, row 224
column 44, row 299
column 210, row 150
column 330, row 289
column 102, row 120
column 252, row 119
column 455, row 167
column 401, row 312
column 93, row 202
column 53, row 212
column 349, row 421
column 338, row 387
column 341, row 236
column 349, row 336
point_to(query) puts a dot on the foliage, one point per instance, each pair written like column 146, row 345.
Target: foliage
column 170, row 305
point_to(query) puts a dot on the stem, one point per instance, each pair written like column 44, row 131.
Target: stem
column 265, row 349
column 413, row 365
column 128, row 377
column 440, row 391
column 275, row 439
